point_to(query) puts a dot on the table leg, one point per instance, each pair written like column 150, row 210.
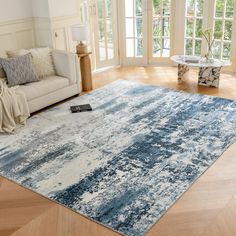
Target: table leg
column 209, row 76
column 182, row 70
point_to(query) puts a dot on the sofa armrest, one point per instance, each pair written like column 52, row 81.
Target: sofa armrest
column 67, row 65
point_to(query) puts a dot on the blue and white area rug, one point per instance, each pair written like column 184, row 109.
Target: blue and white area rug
column 126, row 162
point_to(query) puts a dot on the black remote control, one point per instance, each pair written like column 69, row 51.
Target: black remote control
column 81, row 108
column 75, row 109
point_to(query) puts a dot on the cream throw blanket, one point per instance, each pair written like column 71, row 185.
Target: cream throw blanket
column 14, row 109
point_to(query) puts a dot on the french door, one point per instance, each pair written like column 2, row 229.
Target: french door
column 146, row 31
column 103, row 21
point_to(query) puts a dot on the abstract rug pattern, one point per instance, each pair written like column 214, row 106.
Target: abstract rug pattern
column 126, row 162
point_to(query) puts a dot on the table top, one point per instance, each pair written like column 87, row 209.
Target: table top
column 196, row 61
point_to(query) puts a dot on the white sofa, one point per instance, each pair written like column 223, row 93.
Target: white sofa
column 52, row 89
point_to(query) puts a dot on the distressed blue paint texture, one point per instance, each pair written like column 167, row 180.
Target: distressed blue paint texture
column 125, row 163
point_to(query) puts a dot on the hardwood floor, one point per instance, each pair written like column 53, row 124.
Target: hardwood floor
column 208, row 208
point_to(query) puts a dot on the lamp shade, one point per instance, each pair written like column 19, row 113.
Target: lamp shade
column 80, row 32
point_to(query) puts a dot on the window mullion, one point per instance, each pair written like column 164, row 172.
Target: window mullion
column 233, row 48
column 161, row 36
column 223, row 30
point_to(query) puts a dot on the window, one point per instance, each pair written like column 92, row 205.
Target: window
column 201, row 15
column 223, row 24
column 161, row 28
column 193, row 27
column 134, row 28
column 105, row 29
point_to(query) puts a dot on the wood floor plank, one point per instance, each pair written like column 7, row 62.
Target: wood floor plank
column 18, row 206
column 1, row 180
column 208, row 208
column 59, row 221
column 224, row 224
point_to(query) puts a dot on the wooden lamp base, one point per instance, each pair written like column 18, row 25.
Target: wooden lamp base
column 86, row 74
column 81, row 48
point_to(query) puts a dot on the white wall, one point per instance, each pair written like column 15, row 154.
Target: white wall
column 15, row 9
column 21, row 9
column 16, row 25
column 63, row 7
column 40, row 8
column 41, row 23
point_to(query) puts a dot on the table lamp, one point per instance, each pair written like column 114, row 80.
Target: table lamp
column 80, row 33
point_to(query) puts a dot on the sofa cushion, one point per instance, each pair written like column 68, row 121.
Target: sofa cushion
column 19, row 70
column 17, row 53
column 43, row 87
column 42, row 60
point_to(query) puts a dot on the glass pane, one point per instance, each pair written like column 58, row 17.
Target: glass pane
column 226, row 51
column 139, row 27
column 165, row 47
column 129, row 25
column 166, row 26
column 166, row 7
column 157, row 7
column 110, row 49
column 218, row 29
column 190, row 7
column 109, row 28
column 229, row 9
column 189, row 47
column 198, row 28
column 129, row 8
column 100, row 10
column 108, row 8
column 228, row 30
column 138, row 7
column 217, row 49
column 199, row 7
column 102, row 51
column 129, row 48
column 198, row 45
column 102, row 32
column 138, row 47
column 156, row 47
column 219, row 8
column 156, row 27
column 189, row 27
